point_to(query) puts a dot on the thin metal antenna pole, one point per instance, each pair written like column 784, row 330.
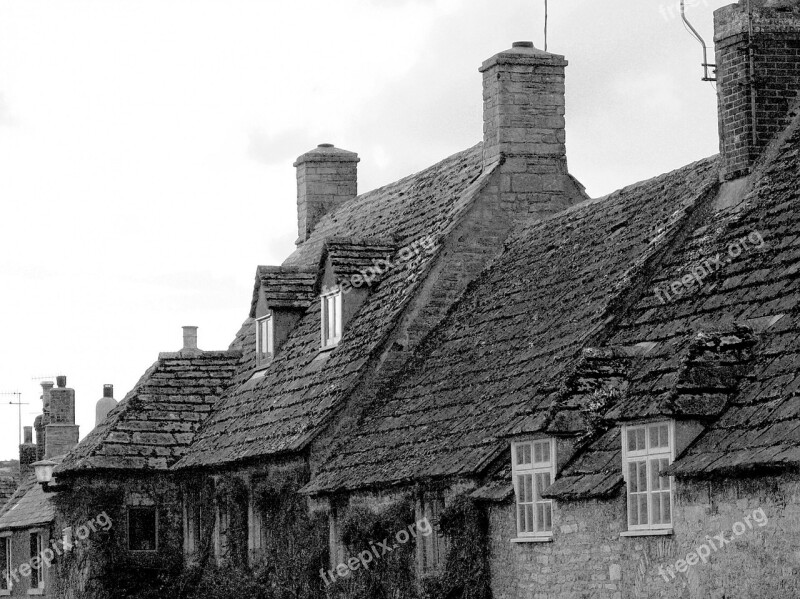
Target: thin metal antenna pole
column 545, row 25
column 19, row 403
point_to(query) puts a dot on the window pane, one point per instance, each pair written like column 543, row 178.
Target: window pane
column 642, row 508
column 529, row 518
column 541, row 452
column 655, row 505
column 666, row 511
column 633, row 479
column 642, row 468
column 142, row 529
column 633, row 513
column 547, row 523
column 631, row 440
column 521, row 454
column 527, row 450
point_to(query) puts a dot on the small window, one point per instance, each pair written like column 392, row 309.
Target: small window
column 264, row 339
column 142, row 529
column 5, row 559
column 37, row 547
column 432, row 548
column 647, row 450
column 331, row 318
column 533, row 469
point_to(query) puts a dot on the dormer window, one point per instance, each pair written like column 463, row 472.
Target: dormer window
column 647, row 450
column 533, row 468
column 265, row 339
column 331, row 318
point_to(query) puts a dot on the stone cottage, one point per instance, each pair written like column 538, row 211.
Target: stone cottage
column 479, row 382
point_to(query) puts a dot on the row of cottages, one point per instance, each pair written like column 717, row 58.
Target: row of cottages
column 478, row 382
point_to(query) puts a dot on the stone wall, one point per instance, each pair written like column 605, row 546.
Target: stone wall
column 101, row 565
column 588, row 558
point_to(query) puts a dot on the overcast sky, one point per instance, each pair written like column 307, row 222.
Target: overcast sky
column 146, row 147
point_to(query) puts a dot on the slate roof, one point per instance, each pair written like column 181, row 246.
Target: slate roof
column 755, row 418
column 29, row 506
column 506, row 349
column 8, row 484
column 288, row 287
column 155, row 423
column 281, row 411
column 350, row 256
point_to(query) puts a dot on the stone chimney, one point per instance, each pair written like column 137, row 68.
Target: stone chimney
column 189, row 338
column 524, row 127
column 27, row 453
column 523, row 104
column 758, row 77
column 105, row 404
column 326, row 178
column 61, row 432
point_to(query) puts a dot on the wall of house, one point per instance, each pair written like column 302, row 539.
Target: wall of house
column 100, row 563
column 588, row 558
column 21, row 576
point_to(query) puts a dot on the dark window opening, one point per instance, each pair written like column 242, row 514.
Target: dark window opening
column 142, row 529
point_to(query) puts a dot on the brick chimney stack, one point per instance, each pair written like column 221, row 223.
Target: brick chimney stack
column 758, row 77
column 326, row 178
column 61, row 432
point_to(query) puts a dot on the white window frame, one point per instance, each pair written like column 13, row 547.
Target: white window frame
column 265, row 338
column 530, row 507
column 331, row 323
column 648, row 454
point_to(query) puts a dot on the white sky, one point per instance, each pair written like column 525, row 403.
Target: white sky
column 146, row 147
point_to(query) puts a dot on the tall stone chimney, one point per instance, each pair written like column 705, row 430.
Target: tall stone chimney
column 758, row 77
column 105, row 404
column 326, row 178
column 61, row 432
column 524, row 126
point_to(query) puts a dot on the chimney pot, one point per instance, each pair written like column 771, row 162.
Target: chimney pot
column 47, row 385
column 325, row 146
column 108, row 390
column 61, row 381
column 27, row 435
column 189, row 337
column 522, row 45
